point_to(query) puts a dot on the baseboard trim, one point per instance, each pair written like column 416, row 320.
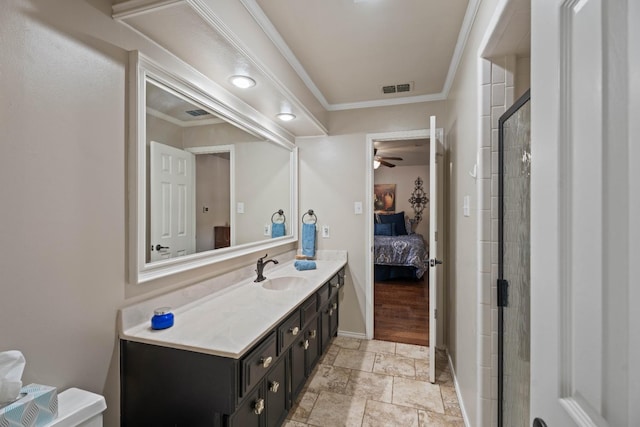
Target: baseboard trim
column 465, row 418
column 348, row 334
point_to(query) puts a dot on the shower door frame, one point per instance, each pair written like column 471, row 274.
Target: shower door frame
column 502, row 285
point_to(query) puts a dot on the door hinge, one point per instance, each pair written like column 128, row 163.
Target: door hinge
column 503, row 293
column 435, row 313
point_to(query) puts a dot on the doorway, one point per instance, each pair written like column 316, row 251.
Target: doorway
column 400, row 250
column 406, row 137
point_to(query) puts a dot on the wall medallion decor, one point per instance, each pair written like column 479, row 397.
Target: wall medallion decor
column 418, row 200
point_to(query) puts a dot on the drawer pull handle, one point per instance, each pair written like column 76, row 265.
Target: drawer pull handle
column 266, row 361
column 273, row 387
column 258, row 407
column 305, row 344
column 294, row 331
column 335, row 306
column 336, row 285
column 313, row 334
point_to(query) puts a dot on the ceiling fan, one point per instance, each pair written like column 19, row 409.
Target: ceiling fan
column 382, row 160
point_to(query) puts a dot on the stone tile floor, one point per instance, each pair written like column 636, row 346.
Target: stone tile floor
column 376, row 383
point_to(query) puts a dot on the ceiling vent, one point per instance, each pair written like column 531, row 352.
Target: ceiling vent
column 398, row 88
column 196, row 113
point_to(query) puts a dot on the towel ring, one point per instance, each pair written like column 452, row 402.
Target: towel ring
column 281, row 213
column 310, row 213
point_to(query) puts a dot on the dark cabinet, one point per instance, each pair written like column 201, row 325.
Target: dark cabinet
column 276, row 393
column 221, row 237
column 298, row 371
column 165, row 386
column 250, row 413
column 266, row 403
column 312, row 334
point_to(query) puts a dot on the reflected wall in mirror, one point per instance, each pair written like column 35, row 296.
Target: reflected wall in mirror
column 211, row 185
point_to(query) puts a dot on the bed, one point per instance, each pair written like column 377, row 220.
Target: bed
column 398, row 255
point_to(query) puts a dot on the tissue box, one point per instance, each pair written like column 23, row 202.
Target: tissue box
column 37, row 406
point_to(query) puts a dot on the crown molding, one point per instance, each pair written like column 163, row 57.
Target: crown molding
column 267, row 26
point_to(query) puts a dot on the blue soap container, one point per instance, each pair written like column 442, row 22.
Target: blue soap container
column 162, row 318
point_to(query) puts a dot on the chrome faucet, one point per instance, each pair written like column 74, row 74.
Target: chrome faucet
column 260, row 267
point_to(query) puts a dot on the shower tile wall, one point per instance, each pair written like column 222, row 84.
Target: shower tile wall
column 497, row 95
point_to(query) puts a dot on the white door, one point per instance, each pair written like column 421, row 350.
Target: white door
column 435, row 232
column 172, row 186
column 585, row 213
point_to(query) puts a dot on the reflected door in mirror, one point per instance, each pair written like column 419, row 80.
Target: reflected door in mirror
column 172, row 176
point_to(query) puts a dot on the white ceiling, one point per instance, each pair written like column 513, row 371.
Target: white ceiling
column 346, row 50
column 312, row 57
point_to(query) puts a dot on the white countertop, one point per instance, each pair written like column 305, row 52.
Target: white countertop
column 229, row 321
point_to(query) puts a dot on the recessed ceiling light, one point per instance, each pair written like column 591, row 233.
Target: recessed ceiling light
column 285, row 117
column 243, row 82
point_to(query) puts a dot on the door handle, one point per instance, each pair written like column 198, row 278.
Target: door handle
column 433, row 262
column 159, row 247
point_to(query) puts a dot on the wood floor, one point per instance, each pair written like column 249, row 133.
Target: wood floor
column 401, row 311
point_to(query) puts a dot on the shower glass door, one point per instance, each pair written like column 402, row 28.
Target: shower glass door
column 514, row 264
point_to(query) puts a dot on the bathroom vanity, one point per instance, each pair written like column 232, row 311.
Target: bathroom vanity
column 237, row 357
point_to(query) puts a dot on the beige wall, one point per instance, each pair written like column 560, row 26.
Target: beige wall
column 63, row 260
column 332, row 178
column 462, row 298
column 404, row 177
column 263, row 179
column 522, row 76
column 212, row 191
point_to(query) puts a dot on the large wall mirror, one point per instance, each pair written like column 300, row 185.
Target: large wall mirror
column 210, row 183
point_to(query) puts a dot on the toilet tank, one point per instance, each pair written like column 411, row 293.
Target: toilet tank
column 79, row 408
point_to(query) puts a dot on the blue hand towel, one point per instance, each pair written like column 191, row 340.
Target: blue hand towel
column 304, row 265
column 309, row 240
column 277, row 229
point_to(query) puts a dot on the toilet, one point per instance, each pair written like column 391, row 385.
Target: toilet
column 79, row 408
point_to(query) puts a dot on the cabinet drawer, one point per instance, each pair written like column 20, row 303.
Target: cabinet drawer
column 309, row 310
column 256, row 364
column 288, row 331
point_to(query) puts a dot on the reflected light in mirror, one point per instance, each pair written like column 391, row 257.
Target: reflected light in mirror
column 243, row 82
column 286, row 117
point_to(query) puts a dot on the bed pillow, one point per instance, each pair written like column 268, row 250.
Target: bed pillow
column 383, row 229
column 397, row 219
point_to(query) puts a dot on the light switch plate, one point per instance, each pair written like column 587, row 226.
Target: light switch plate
column 357, row 208
column 240, row 207
column 325, row 232
column 465, row 206
column 267, row 232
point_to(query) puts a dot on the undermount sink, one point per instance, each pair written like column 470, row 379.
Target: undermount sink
column 283, row 283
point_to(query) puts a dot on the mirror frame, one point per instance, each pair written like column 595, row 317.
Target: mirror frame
column 141, row 68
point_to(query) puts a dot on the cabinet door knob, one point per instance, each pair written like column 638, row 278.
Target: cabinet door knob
column 258, row 407
column 305, row 344
column 335, row 306
column 330, row 312
column 294, row 331
column 313, row 334
column 274, row 386
column 265, row 362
